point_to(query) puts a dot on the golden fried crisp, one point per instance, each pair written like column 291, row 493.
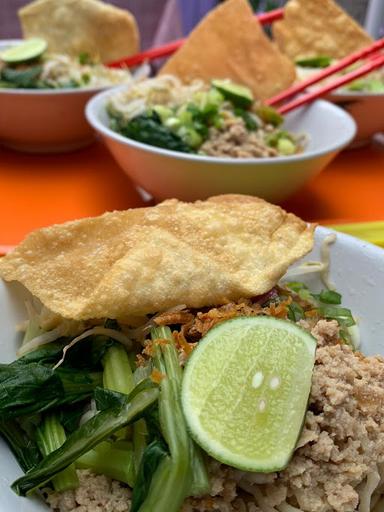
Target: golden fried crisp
column 230, row 43
column 318, row 27
column 73, row 27
column 151, row 259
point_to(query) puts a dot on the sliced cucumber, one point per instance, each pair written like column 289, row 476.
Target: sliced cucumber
column 245, row 391
column 239, row 95
column 28, row 50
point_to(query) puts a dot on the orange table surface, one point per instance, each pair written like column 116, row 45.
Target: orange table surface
column 38, row 190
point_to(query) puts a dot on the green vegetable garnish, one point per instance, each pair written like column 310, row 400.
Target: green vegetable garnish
column 31, row 388
column 329, row 297
column 89, row 435
column 269, row 115
column 112, row 459
column 240, row 95
column 182, row 472
column 286, row 147
column 27, row 78
column 23, row 446
column 50, row 436
column 321, row 61
column 342, row 315
column 373, row 85
column 249, row 120
column 85, row 58
column 147, row 128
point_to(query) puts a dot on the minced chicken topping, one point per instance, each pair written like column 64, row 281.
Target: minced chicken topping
column 234, row 140
column 337, row 461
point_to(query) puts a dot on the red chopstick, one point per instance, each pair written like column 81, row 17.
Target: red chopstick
column 169, row 48
column 370, row 66
column 317, row 77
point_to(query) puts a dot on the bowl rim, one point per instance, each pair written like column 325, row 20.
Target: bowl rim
column 47, row 92
column 358, row 95
column 341, row 91
column 92, row 115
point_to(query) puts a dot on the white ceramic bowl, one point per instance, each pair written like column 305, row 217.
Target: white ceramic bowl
column 45, row 120
column 367, row 109
column 165, row 174
column 357, row 269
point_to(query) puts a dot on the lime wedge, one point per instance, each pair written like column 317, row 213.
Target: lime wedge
column 245, row 391
column 28, row 50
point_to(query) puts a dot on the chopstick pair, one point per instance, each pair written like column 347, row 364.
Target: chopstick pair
column 376, row 61
column 170, row 48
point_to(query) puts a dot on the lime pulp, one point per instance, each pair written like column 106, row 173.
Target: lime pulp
column 245, row 391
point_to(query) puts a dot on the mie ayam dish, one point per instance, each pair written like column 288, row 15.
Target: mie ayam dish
column 66, row 45
column 28, row 65
column 220, row 119
column 208, row 97
column 154, row 296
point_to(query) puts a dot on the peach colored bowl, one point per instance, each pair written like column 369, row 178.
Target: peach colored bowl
column 367, row 109
column 44, row 121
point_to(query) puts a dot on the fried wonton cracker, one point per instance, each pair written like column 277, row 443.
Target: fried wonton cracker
column 230, row 43
column 318, row 27
column 73, row 27
column 146, row 260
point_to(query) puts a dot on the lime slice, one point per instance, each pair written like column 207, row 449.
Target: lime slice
column 28, row 50
column 245, row 391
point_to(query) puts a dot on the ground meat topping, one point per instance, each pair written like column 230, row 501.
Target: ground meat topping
column 96, row 493
column 235, row 141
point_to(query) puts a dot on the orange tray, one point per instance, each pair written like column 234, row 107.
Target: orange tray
column 40, row 190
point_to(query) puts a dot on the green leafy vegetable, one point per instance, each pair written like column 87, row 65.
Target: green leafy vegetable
column 321, row 61
column 89, row 435
column 373, row 85
column 107, row 399
column 117, row 374
column 329, row 297
column 249, row 121
column 44, row 355
column 69, row 415
column 114, row 460
column 153, row 454
column 342, row 315
column 177, row 475
column 327, row 303
column 203, row 118
column 25, row 78
column 147, row 128
column 295, row 312
column 301, row 289
column 23, row 446
column 85, row 58
column 50, row 436
column 30, row 388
